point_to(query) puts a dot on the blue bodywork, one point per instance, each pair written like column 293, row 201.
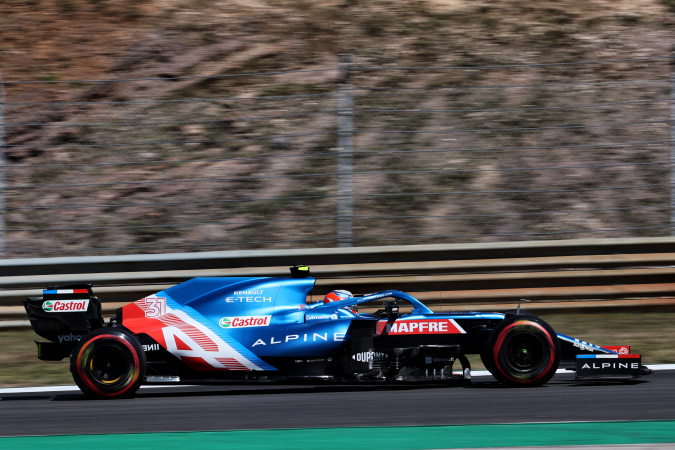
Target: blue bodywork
column 260, row 328
column 265, row 324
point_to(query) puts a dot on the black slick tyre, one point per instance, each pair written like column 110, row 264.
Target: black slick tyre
column 108, row 363
column 523, row 350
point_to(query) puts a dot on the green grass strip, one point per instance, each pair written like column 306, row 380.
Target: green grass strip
column 392, row 438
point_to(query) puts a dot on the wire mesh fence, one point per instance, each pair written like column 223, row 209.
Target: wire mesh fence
column 576, row 149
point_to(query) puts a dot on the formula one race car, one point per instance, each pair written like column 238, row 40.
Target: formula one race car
column 209, row 330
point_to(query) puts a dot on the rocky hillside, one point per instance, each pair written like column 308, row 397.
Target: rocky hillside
column 53, row 41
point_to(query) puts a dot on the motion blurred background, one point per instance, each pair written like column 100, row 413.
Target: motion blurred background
column 155, row 126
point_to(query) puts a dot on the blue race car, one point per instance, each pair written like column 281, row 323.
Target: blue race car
column 208, row 330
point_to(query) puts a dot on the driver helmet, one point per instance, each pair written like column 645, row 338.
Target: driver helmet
column 336, row 296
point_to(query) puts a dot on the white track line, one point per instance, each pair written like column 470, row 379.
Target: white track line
column 29, row 390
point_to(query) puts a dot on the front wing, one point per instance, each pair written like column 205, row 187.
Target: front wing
column 592, row 362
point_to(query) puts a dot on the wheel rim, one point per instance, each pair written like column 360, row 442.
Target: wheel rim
column 526, row 353
column 108, row 365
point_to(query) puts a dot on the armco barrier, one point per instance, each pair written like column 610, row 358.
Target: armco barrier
column 453, row 274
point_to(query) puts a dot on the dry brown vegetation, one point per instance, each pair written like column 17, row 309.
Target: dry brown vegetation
column 57, row 40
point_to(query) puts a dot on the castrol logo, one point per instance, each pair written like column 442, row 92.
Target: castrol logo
column 66, row 305
column 244, row 321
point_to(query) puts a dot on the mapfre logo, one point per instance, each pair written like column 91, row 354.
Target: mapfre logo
column 66, row 305
column 421, row 326
column 244, row 321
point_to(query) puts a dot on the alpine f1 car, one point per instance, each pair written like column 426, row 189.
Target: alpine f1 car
column 221, row 329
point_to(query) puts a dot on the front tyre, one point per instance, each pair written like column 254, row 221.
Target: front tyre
column 108, row 363
column 523, row 350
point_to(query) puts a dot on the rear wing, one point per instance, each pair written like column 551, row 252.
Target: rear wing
column 62, row 316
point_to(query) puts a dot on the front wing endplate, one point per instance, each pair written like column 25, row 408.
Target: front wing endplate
column 608, row 367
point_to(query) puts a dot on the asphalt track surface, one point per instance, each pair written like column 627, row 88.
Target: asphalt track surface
column 256, row 407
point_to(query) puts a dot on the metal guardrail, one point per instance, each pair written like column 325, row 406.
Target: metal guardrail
column 453, row 274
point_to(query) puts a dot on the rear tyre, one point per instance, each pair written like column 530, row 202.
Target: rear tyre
column 522, row 351
column 108, row 363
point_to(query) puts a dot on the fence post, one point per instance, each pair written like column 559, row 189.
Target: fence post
column 2, row 166
column 672, row 142
column 345, row 153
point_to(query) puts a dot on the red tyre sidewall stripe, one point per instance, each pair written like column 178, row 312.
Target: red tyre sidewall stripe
column 500, row 341
column 85, row 379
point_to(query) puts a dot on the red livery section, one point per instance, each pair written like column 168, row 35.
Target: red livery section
column 419, row 326
column 193, row 343
column 620, row 349
column 135, row 319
